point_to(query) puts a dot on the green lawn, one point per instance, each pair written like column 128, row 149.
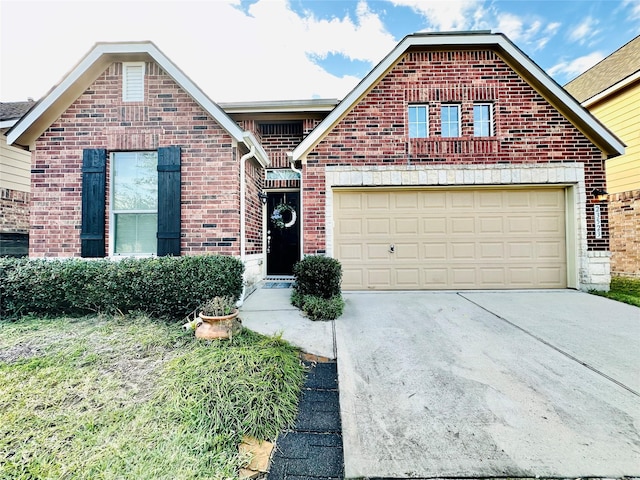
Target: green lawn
column 623, row 289
column 130, row 397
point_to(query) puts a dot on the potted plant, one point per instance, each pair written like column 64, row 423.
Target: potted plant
column 219, row 317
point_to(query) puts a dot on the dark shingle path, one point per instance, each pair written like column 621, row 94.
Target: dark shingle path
column 312, row 450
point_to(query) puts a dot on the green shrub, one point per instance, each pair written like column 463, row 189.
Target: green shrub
column 169, row 287
column 319, row 276
column 297, row 299
column 318, row 308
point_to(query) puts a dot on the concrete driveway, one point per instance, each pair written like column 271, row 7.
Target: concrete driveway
column 489, row 384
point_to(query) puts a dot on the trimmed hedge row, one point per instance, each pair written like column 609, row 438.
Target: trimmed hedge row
column 167, row 287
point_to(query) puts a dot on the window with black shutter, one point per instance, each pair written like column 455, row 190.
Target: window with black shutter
column 169, row 201
column 92, row 238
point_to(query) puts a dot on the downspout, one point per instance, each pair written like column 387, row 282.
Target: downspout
column 299, row 172
column 243, row 218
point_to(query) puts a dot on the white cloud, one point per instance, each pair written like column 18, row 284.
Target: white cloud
column 634, row 8
column 572, row 68
column 584, row 31
column 444, row 15
column 231, row 55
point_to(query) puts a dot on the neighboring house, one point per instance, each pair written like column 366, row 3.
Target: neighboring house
column 610, row 90
column 457, row 163
column 15, row 166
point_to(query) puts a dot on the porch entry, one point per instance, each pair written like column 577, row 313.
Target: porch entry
column 283, row 232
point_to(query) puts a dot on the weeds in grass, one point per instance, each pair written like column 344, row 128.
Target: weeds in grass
column 103, row 398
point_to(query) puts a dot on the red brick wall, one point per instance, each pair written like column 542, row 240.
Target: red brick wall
column 168, row 116
column 14, row 211
column 255, row 179
column 624, row 224
column 527, row 128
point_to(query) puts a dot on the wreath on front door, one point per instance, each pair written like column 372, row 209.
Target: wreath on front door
column 278, row 219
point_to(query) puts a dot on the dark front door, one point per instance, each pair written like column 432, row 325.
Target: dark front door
column 283, row 232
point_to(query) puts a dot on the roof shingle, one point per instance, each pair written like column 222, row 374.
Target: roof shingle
column 14, row 110
column 621, row 64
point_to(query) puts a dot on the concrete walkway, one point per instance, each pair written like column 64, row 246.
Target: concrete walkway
column 477, row 384
column 269, row 311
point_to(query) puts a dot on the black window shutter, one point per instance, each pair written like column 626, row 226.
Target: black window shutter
column 169, row 201
column 94, row 163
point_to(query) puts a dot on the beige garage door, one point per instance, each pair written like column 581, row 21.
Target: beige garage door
column 451, row 239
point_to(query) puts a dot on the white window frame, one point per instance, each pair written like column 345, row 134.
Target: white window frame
column 483, row 121
column 455, row 106
column 113, row 212
column 418, row 124
column 137, row 70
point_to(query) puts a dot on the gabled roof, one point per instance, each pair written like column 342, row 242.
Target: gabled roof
column 613, row 72
column 512, row 55
column 60, row 97
column 10, row 112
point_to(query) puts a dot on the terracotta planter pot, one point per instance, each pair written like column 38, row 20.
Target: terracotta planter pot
column 219, row 327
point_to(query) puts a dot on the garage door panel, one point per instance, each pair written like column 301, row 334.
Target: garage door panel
column 353, row 278
column 434, row 225
column 434, row 251
column 464, row 225
column 351, row 252
column 461, row 199
column 550, row 198
column 406, row 200
column 490, row 225
column 406, row 226
column 434, row 200
column 549, row 276
column 349, row 203
column 436, row 277
column 490, row 200
column 492, row 277
column 351, row 226
column 550, row 251
column 407, row 277
column 377, row 251
column 519, row 224
column 463, row 277
column 377, row 226
column 491, row 251
column 548, row 224
column 520, row 250
column 407, row 251
column 462, row 250
column 518, row 199
column 379, row 278
column 379, row 201
column 451, row 239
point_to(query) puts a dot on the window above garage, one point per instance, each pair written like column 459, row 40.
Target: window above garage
column 418, row 121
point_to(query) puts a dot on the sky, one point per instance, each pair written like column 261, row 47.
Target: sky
column 251, row 50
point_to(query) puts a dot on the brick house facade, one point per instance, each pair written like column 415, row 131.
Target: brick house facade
column 310, row 155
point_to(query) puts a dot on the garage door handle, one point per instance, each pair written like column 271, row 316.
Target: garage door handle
column 392, row 248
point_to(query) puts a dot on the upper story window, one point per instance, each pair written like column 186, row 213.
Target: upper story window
column 134, row 212
column 450, row 120
column 418, row 121
column 133, row 81
column 482, row 120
